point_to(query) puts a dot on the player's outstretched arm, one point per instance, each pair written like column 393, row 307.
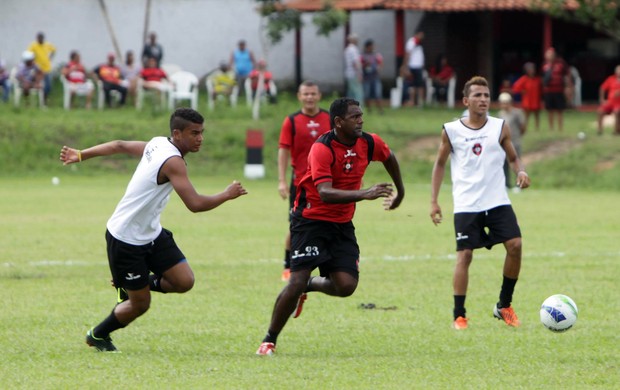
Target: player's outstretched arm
column 176, row 172
column 393, row 169
column 439, row 169
column 70, row 155
column 330, row 194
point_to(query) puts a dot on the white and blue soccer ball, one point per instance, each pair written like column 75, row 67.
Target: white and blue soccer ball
column 558, row 313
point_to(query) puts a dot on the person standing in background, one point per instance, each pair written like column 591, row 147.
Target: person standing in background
column 242, row 60
column 372, row 63
column 353, row 69
column 43, row 55
column 152, row 49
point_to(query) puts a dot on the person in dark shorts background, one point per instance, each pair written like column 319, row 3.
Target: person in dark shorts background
column 478, row 145
column 556, row 77
column 143, row 256
column 297, row 134
column 322, row 233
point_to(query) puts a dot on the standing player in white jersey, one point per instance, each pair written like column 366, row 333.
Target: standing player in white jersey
column 143, row 256
column 478, row 146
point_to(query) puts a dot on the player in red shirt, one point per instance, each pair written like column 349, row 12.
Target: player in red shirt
column 609, row 96
column 299, row 131
column 555, row 80
column 322, row 233
column 154, row 78
column 530, row 87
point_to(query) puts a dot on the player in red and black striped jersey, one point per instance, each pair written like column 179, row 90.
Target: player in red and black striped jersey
column 299, row 131
column 322, row 233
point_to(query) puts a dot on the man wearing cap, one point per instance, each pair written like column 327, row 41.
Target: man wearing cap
column 353, row 69
column 29, row 75
column 110, row 75
column 43, row 53
column 515, row 119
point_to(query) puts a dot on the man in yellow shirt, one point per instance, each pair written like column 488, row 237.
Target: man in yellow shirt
column 43, row 54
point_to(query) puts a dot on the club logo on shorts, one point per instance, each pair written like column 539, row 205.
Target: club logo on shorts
column 131, row 276
column 477, row 149
column 461, row 236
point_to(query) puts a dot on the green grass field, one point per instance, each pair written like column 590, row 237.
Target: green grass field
column 55, row 278
column 55, row 283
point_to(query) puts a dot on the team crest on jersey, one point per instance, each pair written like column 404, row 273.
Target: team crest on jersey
column 347, row 165
column 477, row 149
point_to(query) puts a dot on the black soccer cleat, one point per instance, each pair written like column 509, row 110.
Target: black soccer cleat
column 101, row 345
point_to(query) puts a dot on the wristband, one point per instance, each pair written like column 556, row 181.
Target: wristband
column 79, row 153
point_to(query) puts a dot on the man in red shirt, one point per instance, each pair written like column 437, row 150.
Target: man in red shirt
column 609, row 96
column 322, row 233
column 299, row 131
column 110, row 76
column 530, row 87
column 555, row 80
column 75, row 73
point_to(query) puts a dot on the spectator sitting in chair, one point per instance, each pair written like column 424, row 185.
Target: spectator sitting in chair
column 441, row 74
column 29, row 75
column 75, row 73
column 154, row 77
column 110, row 75
column 261, row 70
column 131, row 72
column 223, row 81
column 4, row 81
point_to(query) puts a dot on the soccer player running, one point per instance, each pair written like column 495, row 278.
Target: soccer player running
column 322, row 233
column 478, row 145
column 299, row 131
column 136, row 242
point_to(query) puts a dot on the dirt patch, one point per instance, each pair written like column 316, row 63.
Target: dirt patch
column 551, row 150
column 425, row 148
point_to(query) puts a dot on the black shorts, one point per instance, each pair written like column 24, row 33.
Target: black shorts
column 555, row 101
column 329, row 246
column 292, row 191
column 418, row 77
column 486, row 228
column 130, row 264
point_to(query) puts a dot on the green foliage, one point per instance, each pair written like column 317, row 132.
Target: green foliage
column 329, row 20
column 281, row 19
column 602, row 15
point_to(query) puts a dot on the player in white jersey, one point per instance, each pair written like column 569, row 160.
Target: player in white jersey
column 478, row 146
column 143, row 256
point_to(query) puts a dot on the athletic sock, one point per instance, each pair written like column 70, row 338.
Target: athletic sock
column 107, row 326
column 287, row 258
column 459, row 306
column 155, row 283
column 271, row 337
column 505, row 295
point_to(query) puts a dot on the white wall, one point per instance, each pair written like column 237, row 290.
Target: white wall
column 195, row 34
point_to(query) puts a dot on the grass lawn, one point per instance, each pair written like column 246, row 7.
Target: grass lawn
column 55, row 282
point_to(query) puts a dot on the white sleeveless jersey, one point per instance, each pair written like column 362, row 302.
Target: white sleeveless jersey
column 476, row 164
column 136, row 218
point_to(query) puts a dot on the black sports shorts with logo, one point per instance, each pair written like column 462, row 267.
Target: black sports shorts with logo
column 130, row 264
column 330, row 246
column 486, row 228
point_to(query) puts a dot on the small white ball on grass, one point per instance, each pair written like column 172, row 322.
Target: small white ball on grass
column 581, row 135
column 55, row 180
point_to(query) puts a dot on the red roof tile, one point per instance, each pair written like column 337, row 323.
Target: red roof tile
column 419, row 5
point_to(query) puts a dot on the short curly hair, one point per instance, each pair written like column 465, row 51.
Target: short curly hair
column 183, row 117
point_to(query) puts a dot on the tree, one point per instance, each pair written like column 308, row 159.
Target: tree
column 280, row 19
column 602, row 15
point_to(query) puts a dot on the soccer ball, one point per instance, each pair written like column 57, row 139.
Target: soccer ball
column 558, row 313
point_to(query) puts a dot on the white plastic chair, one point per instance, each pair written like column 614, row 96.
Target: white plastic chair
column 210, row 90
column 18, row 91
column 101, row 95
column 184, row 86
column 170, row 69
column 430, row 90
column 78, row 89
column 164, row 89
column 577, row 86
column 273, row 91
column 396, row 94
